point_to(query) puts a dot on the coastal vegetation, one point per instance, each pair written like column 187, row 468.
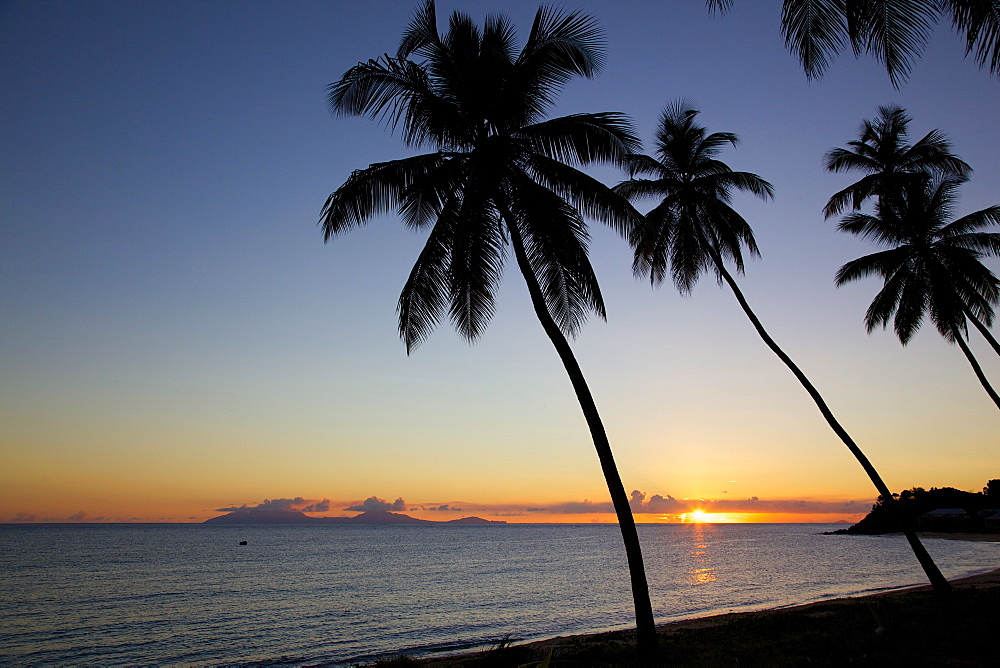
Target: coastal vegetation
column 967, row 512
column 499, row 175
column 693, row 228
column 931, row 265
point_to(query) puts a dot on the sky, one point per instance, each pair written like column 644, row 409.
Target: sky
column 177, row 339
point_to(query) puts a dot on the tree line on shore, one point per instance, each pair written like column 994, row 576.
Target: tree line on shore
column 916, row 503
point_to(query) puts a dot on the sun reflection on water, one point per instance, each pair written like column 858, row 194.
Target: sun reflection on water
column 703, row 572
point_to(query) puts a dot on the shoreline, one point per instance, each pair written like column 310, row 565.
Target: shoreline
column 726, row 637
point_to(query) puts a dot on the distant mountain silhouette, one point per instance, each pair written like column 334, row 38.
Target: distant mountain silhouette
column 253, row 516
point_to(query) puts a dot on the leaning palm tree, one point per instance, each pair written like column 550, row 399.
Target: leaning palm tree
column 499, row 176
column 694, row 229
column 893, row 31
column 883, row 153
column 931, row 265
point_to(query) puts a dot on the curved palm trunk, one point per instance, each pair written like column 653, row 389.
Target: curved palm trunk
column 645, row 626
column 982, row 329
column 975, row 367
column 937, row 580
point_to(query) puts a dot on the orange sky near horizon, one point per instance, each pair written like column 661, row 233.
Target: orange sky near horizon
column 683, row 511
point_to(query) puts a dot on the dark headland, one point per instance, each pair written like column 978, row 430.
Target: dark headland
column 939, row 510
column 255, row 516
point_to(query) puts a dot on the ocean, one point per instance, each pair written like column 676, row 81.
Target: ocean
column 190, row 594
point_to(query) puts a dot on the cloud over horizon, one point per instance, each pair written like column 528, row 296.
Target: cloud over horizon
column 283, row 505
column 375, row 503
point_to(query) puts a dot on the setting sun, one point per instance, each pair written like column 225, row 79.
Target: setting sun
column 699, row 516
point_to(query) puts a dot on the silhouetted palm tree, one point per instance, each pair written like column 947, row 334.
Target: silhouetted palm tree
column 893, row 31
column 931, row 266
column 881, row 150
column 499, row 175
column 694, row 228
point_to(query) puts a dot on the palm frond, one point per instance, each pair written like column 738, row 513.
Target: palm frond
column 844, row 160
column 932, row 153
column 911, row 304
column 583, row 138
column 559, row 47
column 896, row 32
column 424, row 199
column 634, row 189
column 815, row 31
column 587, row 194
column 883, row 264
column 372, row 191
column 980, row 21
column 636, row 164
column 651, row 243
column 689, row 258
column 962, row 231
column 420, row 33
column 721, row 6
column 477, row 258
column 427, row 289
column 555, row 238
column 882, row 231
column 729, row 233
column 746, row 182
column 562, row 45
column 376, row 88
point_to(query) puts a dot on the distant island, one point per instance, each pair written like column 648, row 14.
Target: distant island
column 254, row 516
column 938, row 509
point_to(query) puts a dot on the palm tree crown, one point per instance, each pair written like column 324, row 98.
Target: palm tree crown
column 932, row 264
column 694, row 218
column 882, row 152
column 500, row 175
column 498, row 170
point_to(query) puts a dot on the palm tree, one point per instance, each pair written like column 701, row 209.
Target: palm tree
column 893, row 31
column 499, row 175
column 882, row 152
column 930, row 266
column 694, row 229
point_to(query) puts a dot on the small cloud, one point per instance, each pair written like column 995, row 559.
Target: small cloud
column 284, row 505
column 511, row 514
column 321, row 507
column 77, row 517
column 375, row 503
column 656, row 503
column 445, row 507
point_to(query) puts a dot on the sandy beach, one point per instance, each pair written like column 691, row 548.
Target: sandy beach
column 911, row 626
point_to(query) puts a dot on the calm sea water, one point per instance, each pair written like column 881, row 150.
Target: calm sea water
column 191, row 595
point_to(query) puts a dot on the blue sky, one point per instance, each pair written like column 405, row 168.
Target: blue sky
column 178, row 338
